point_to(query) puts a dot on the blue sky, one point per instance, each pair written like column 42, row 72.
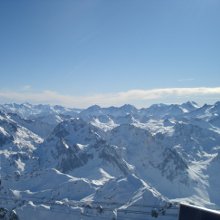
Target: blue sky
column 83, row 52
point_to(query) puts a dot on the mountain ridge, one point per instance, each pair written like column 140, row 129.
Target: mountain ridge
column 118, row 156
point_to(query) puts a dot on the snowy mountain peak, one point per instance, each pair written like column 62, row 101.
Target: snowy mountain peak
column 128, row 108
column 108, row 162
column 93, row 108
column 216, row 107
column 75, row 129
column 190, row 105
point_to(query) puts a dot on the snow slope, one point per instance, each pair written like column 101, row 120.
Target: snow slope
column 114, row 163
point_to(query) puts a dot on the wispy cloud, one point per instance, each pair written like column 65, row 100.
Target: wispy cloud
column 132, row 96
column 186, row 80
column 26, row 87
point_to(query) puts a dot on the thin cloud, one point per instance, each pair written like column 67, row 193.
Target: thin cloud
column 186, row 80
column 120, row 98
column 26, row 87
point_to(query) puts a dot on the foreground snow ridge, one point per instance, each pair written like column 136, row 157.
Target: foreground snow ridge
column 108, row 163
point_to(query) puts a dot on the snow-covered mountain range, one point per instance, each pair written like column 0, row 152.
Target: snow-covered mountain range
column 113, row 163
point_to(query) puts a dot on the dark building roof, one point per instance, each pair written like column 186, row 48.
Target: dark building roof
column 188, row 212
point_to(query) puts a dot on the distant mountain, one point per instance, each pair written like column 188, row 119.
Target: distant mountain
column 115, row 163
column 189, row 106
column 29, row 111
